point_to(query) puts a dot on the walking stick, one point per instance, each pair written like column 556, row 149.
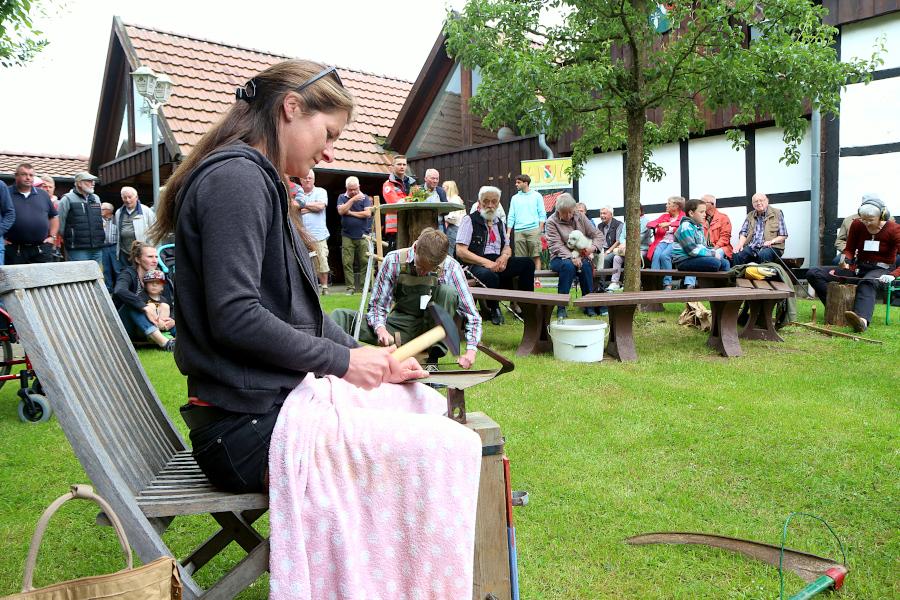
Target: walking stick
column 482, row 284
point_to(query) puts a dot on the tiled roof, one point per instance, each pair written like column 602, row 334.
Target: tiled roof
column 205, row 74
column 44, row 164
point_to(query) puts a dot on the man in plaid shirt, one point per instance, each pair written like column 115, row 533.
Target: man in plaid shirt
column 408, row 280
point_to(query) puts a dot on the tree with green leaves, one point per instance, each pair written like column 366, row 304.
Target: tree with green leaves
column 605, row 67
column 19, row 40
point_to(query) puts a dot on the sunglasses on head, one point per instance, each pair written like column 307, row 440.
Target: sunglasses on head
column 320, row 75
column 247, row 92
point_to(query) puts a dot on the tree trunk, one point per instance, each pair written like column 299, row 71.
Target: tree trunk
column 840, row 300
column 633, row 156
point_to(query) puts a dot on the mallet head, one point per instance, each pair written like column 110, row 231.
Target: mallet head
column 451, row 332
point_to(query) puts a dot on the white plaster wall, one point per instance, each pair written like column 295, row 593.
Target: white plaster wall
column 774, row 177
column 869, row 113
column 878, row 173
column 602, row 184
column 796, row 219
column 858, row 39
column 716, row 168
column 737, row 214
column 656, row 192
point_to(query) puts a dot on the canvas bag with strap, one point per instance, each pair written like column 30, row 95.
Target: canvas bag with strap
column 157, row 580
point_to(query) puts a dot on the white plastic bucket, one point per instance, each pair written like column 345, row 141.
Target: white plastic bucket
column 578, row 340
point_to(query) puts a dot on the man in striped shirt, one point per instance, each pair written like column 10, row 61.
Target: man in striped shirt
column 407, row 282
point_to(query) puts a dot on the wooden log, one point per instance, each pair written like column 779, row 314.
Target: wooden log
column 491, row 577
column 840, row 300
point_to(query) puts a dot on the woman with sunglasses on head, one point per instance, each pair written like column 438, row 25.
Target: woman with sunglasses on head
column 252, row 329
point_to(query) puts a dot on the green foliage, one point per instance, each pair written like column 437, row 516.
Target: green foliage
column 599, row 67
column 19, row 40
column 591, row 64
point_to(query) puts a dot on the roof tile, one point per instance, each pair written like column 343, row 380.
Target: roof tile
column 49, row 164
column 205, row 74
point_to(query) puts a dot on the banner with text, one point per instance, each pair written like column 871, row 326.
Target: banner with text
column 549, row 177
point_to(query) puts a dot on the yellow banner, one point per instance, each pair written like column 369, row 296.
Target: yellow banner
column 549, row 173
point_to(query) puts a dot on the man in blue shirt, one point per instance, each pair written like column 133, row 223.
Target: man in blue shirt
column 526, row 219
column 30, row 239
column 355, row 209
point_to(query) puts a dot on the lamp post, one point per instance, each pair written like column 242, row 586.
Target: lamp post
column 155, row 88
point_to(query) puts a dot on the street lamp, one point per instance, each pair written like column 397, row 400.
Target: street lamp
column 155, row 89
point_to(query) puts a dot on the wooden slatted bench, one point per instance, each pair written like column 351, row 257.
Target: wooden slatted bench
column 537, row 308
column 724, row 302
column 118, row 429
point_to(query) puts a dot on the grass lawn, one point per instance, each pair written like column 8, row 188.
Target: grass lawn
column 681, row 440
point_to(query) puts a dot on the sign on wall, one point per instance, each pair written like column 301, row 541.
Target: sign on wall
column 549, row 177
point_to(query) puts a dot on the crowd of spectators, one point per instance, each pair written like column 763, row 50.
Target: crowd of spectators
column 490, row 248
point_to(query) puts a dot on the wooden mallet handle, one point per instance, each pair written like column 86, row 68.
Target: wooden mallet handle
column 420, row 344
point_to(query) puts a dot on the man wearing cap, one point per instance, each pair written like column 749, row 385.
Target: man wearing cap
column 133, row 219
column 81, row 222
column 110, row 263
column 30, row 239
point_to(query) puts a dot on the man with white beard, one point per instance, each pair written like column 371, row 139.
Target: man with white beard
column 482, row 245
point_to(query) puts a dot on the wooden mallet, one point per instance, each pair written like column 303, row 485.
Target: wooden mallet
column 444, row 331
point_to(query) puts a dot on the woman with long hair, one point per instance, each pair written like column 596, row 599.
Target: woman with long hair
column 139, row 318
column 268, row 369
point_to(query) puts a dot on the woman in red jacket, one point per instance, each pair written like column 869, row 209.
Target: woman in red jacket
column 663, row 227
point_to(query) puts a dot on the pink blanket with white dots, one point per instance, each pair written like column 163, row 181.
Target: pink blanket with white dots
column 372, row 495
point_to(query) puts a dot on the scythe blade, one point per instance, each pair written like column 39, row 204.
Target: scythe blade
column 807, row 566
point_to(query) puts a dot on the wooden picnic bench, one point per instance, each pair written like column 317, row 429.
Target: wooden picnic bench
column 724, row 302
column 537, row 308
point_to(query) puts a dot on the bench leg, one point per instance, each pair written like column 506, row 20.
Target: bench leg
column 621, row 333
column 535, row 339
column 723, row 336
column 652, row 283
column 760, row 324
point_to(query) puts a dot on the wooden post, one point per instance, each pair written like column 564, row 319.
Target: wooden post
column 840, row 300
column 377, row 218
column 491, row 574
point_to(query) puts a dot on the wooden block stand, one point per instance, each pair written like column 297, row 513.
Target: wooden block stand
column 840, row 300
column 491, row 575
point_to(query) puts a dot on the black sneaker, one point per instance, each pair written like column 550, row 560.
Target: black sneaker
column 170, row 346
column 497, row 317
column 562, row 313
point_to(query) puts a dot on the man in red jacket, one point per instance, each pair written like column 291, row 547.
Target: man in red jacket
column 718, row 226
column 397, row 187
column 873, row 242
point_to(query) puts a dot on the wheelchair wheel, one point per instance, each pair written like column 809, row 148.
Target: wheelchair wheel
column 34, row 408
column 5, row 360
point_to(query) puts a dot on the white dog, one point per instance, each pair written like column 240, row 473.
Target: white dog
column 579, row 244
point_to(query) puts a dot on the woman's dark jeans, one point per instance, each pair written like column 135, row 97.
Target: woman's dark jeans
column 232, row 449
